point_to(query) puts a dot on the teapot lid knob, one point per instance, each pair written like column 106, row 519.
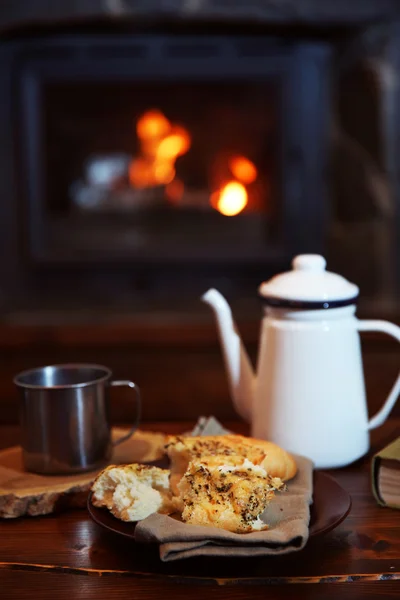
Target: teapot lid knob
column 309, row 262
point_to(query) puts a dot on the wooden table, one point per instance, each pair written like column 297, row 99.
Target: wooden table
column 69, row 556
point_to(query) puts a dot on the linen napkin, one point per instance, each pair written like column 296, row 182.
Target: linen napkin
column 287, row 515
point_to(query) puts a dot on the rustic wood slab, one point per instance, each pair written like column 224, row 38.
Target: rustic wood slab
column 23, row 493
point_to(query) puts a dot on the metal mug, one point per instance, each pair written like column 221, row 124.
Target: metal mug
column 64, row 417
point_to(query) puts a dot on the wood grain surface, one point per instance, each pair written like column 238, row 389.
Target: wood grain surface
column 68, row 554
column 57, row 586
column 23, row 493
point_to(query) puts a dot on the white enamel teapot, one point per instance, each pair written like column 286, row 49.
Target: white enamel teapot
column 308, row 394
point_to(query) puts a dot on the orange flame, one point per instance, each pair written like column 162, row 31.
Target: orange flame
column 152, row 124
column 174, row 145
column 232, row 196
column 161, row 143
column 231, row 199
column 243, row 169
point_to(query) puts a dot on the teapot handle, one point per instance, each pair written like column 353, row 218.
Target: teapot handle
column 394, row 331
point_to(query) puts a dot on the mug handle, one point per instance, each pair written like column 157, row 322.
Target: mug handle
column 138, row 403
column 394, row 331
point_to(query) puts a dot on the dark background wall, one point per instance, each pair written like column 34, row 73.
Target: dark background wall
column 177, row 361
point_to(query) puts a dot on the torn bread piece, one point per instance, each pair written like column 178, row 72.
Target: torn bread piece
column 183, row 449
column 133, row 492
column 230, row 496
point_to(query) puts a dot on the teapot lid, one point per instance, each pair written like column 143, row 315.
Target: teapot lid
column 308, row 286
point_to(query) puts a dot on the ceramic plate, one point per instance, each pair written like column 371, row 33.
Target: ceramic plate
column 331, row 505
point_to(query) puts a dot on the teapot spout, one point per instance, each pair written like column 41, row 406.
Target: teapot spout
column 241, row 376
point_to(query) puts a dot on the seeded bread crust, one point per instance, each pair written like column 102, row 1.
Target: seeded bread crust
column 230, row 496
column 182, row 449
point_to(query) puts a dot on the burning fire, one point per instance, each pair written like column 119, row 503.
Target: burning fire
column 161, row 142
column 233, row 197
column 243, row 169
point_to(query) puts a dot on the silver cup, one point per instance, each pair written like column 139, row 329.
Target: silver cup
column 64, row 417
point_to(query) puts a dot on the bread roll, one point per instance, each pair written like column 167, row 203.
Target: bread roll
column 221, row 481
column 133, row 492
column 231, row 496
column 182, row 449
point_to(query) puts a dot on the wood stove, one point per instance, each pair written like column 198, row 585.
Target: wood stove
column 145, row 159
column 149, row 151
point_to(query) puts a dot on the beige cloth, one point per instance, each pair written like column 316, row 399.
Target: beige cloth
column 288, row 516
